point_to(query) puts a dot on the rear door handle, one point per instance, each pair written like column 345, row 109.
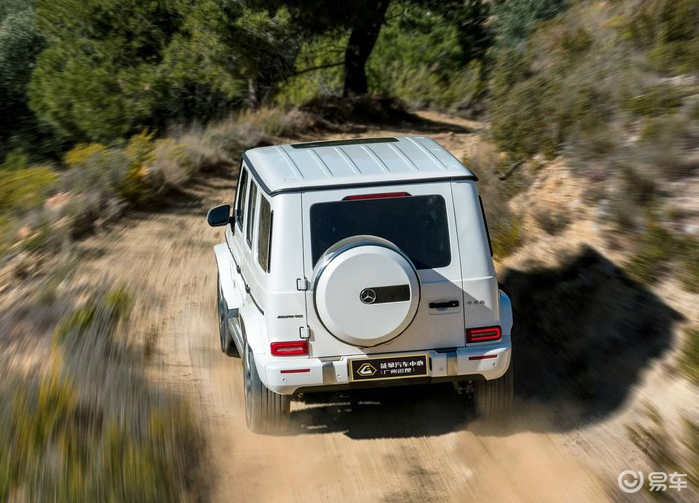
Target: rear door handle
column 445, row 304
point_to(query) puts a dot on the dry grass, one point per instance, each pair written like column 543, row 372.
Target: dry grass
column 90, row 427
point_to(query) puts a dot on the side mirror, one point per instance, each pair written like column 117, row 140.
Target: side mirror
column 219, row 216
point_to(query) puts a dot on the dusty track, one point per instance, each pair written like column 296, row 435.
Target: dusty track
column 389, row 446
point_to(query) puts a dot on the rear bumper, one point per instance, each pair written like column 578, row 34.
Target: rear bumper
column 289, row 375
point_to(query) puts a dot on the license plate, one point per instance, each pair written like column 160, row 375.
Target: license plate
column 388, row 367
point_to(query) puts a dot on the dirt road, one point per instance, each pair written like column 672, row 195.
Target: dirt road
column 380, row 446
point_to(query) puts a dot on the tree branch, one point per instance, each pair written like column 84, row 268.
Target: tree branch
column 314, row 68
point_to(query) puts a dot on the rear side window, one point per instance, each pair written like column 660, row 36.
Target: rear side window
column 240, row 198
column 416, row 224
column 264, row 234
column 252, row 203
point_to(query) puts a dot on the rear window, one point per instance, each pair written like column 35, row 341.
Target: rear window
column 416, row 224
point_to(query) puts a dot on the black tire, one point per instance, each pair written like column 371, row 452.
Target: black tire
column 493, row 399
column 265, row 411
column 227, row 344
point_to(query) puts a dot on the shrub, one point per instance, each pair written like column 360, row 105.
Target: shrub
column 504, row 227
column 665, row 141
column 689, row 358
column 667, row 451
column 15, row 161
column 654, row 101
column 25, row 189
column 657, row 249
column 88, row 428
column 576, row 83
column 688, row 255
column 505, row 235
column 171, row 164
column 654, row 250
column 83, row 153
column 667, row 29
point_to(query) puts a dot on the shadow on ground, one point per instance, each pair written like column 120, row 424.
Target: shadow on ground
column 583, row 334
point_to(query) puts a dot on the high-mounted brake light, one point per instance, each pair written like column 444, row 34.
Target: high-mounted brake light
column 382, row 195
column 483, row 334
column 292, row 348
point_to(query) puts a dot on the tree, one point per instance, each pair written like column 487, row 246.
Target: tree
column 114, row 67
column 99, row 77
column 363, row 20
column 20, row 43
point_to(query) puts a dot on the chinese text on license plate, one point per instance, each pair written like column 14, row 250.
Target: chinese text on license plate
column 388, row 367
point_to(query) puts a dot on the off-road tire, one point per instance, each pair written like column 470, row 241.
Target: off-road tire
column 265, row 411
column 227, row 344
column 493, row 399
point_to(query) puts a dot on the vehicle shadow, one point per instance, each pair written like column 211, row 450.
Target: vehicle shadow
column 425, row 410
column 583, row 334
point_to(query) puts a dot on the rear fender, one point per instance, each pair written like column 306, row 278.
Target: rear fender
column 252, row 326
column 224, row 265
column 505, row 313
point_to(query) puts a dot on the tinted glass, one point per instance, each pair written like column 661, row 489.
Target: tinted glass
column 240, row 198
column 264, row 235
column 252, row 203
column 416, row 224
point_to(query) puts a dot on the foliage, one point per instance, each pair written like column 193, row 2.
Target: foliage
column 653, row 252
column 81, row 154
column 657, row 249
column 113, row 68
column 516, row 19
column 689, row 358
column 668, row 30
column 24, row 189
column 20, row 44
column 419, row 55
column 668, row 451
column 419, row 58
column 591, row 71
column 63, row 441
column 504, row 226
column 99, row 78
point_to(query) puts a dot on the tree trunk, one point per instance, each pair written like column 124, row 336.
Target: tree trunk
column 253, row 93
column 361, row 42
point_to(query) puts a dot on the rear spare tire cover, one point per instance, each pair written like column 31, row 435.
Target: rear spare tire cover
column 366, row 291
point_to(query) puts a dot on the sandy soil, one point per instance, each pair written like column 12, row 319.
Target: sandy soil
column 406, row 445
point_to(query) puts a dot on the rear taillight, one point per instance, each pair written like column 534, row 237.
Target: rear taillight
column 483, row 334
column 382, row 195
column 292, row 348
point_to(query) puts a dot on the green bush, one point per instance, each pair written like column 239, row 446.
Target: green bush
column 505, row 236
column 658, row 249
column 24, row 189
column 689, row 358
column 584, row 79
column 666, row 450
column 669, row 31
column 89, row 428
column 654, row 250
column 504, row 227
column 665, row 141
column 654, row 101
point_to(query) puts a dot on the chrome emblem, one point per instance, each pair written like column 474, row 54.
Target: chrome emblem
column 368, row 296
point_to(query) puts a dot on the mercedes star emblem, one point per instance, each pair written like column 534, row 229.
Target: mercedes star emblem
column 368, row 296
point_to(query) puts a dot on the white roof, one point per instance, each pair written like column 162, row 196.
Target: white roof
column 363, row 161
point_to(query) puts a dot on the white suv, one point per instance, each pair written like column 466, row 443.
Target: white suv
column 357, row 263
